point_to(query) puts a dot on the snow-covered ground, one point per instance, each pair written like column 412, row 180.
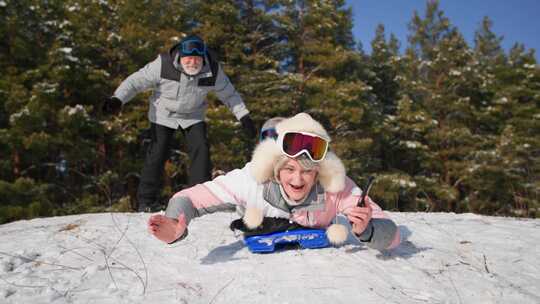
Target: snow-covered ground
column 110, row 258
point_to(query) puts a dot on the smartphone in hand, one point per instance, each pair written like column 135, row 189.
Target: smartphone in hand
column 365, row 191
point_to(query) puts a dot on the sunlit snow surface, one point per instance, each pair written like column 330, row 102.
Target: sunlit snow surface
column 110, row 258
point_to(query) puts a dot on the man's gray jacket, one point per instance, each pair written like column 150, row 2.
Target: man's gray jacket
column 179, row 99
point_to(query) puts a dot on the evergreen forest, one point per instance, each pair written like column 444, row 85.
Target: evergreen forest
column 443, row 124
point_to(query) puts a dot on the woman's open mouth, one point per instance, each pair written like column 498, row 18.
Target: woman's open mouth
column 297, row 188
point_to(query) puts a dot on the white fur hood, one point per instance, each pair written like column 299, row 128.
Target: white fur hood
column 267, row 153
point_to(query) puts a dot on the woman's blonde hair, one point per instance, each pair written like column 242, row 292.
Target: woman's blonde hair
column 303, row 160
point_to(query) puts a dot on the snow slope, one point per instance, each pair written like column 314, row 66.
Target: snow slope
column 110, row 258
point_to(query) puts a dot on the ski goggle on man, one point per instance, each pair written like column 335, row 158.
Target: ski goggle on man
column 268, row 133
column 193, row 47
column 296, row 143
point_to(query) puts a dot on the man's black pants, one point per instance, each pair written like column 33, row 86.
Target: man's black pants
column 158, row 152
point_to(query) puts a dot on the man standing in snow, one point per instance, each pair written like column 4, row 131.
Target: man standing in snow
column 180, row 79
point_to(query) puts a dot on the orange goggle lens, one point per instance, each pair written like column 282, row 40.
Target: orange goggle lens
column 295, row 143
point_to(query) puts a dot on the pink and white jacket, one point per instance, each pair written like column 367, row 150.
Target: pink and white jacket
column 239, row 190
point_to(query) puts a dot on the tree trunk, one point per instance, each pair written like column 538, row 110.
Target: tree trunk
column 16, row 163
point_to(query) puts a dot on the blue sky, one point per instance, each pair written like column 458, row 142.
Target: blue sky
column 516, row 21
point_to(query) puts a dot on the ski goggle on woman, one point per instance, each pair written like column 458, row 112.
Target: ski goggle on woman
column 193, row 47
column 296, row 143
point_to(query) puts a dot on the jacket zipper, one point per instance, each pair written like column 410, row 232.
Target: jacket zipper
column 178, row 89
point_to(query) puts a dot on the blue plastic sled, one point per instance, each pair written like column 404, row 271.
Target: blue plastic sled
column 306, row 238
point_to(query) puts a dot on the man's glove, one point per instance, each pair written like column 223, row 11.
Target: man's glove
column 112, row 105
column 248, row 126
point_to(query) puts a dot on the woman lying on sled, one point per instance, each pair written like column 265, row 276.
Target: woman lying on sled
column 294, row 179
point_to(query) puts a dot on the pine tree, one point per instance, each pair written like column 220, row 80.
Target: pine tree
column 509, row 86
column 247, row 41
column 487, row 45
column 28, row 110
column 511, row 170
column 441, row 82
column 427, row 32
column 383, row 63
column 326, row 77
column 442, row 126
column 318, row 36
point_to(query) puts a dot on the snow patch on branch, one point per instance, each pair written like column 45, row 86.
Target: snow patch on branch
column 46, row 87
column 455, row 72
column 502, row 100
column 406, row 183
column 77, row 109
column 67, row 52
column 16, row 116
column 114, row 36
column 413, row 144
column 390, row 117
column 73, row 8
